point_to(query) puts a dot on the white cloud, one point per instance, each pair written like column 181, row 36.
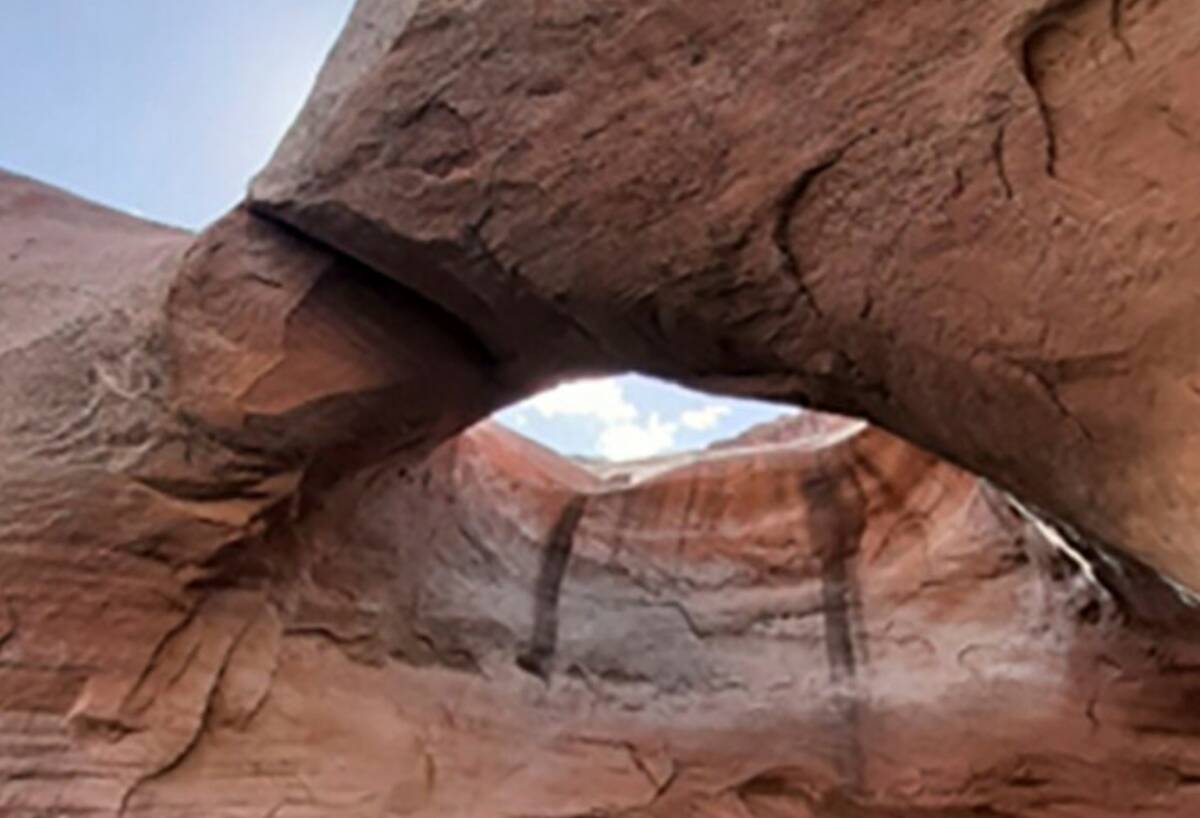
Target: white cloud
column 612, row 426
column 706, row 417
column 633, row 441
column 600, row 398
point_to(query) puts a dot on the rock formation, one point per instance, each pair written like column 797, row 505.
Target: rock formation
column 251, row 564
column 969, row 223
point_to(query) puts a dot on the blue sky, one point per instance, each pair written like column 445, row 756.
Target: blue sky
column 166, row 108
column 630, row 417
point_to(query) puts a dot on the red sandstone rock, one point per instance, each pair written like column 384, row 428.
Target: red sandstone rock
column 225, row 592
column 970, row 223
column 169, row 404
column 248, row 566
column 833, row 627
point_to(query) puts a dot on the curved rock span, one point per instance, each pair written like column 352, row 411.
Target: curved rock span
column 251, row 564
column 814, row 620
column 970, row 224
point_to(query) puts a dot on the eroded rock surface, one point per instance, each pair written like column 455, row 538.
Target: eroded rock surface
column 169, row 403
column 237, row 583
column 829, row 623
column 970, row 223
column 249, row 566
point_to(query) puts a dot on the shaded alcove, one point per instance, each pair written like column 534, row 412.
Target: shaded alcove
column 772, row 628
column 807, row 621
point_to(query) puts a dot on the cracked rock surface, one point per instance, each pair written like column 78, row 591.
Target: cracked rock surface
column 816, row 619
column 969, row 223
column 258, row 558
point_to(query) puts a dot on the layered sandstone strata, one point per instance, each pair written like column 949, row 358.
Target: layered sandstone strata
column 240, row 580
column 251, row 566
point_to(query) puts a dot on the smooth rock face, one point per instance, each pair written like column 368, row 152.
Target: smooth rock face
column 971, row 223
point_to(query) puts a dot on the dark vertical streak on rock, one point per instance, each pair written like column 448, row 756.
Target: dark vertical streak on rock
column 836, row 521
column 542, row 644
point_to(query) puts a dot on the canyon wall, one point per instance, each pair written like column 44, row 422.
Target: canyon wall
column 217, row 603
column 256, row 558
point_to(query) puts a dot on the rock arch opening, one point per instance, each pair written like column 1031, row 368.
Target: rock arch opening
column 827, row 585
column 632, row 417
column 244, row 538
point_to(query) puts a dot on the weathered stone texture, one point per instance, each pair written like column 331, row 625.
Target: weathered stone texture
column 251, row 564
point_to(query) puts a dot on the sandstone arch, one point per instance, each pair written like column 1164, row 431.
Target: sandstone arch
column 219, row 455
column 967, row 224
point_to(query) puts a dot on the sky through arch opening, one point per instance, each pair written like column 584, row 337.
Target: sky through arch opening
column 632, row 417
